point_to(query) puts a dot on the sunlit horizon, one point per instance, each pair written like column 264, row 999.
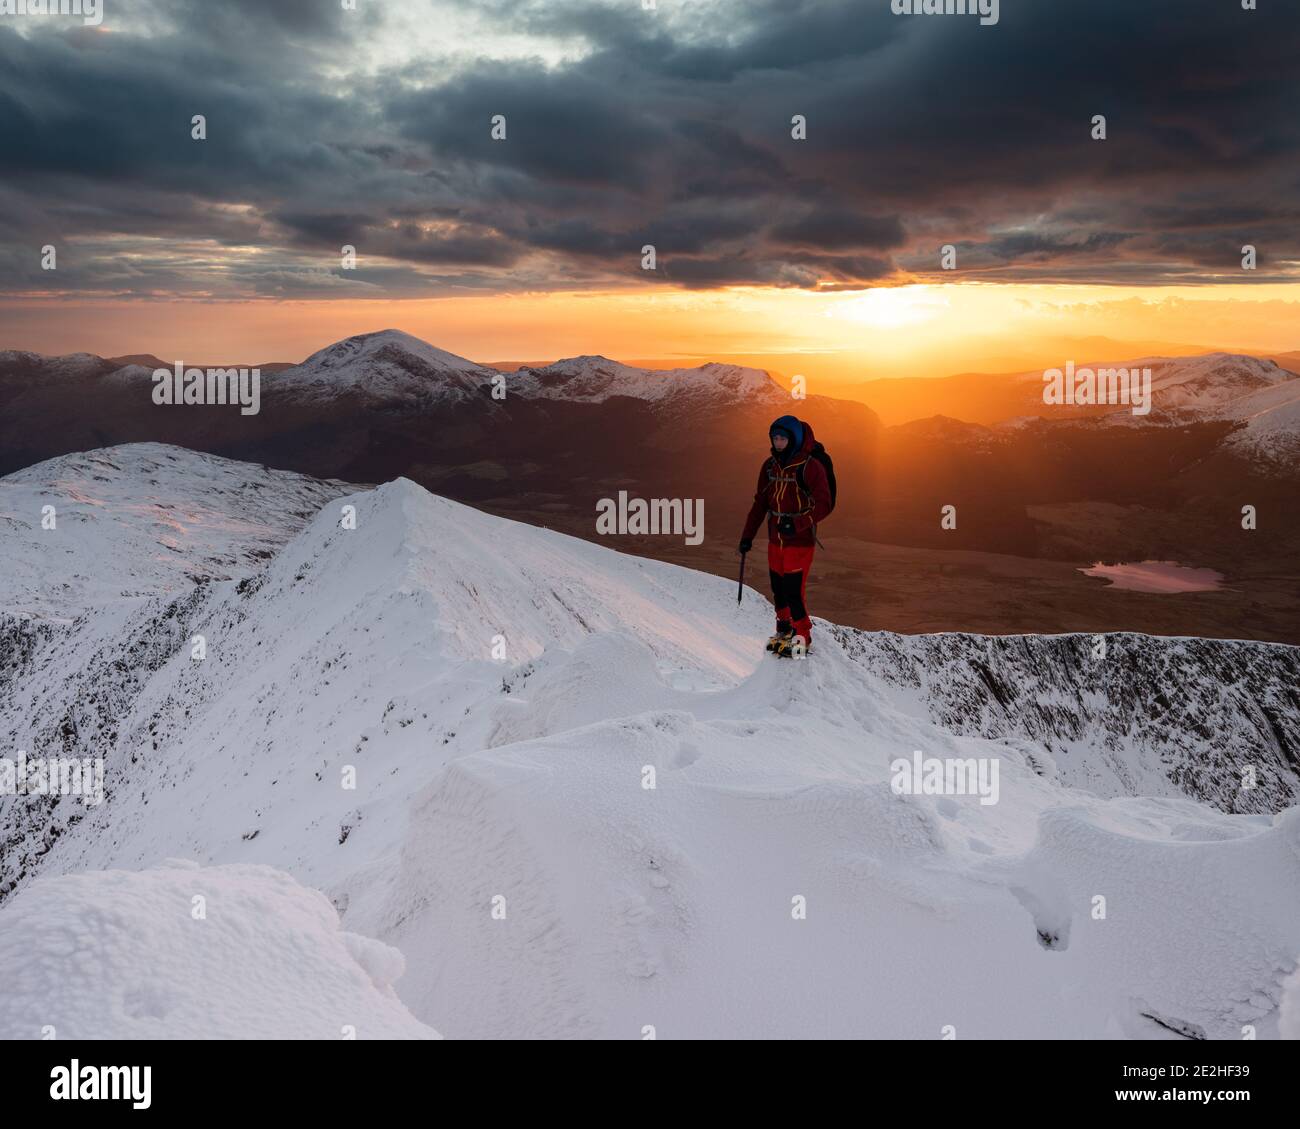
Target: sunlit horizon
column 911, row 330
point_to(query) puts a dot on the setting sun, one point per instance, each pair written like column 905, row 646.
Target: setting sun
column 892, row 307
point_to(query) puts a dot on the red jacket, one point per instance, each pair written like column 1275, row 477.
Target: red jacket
column 778, row 493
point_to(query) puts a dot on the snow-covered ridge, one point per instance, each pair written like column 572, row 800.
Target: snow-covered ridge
column 1257, row 393
column 594, row 379
column 1209, row 383
column 1272, row 418
column 66, row 365
column 499, row 691
column 141, row 520
column 1224, row 386
column 1213, row 383
column 397, row 370
column 394, row 366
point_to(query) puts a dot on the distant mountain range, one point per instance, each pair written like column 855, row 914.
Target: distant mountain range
column 1258, row 395
column 1207, row 383
column 381, row 405
column 547, row 443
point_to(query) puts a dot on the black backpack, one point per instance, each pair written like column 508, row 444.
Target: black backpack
column 820, row 454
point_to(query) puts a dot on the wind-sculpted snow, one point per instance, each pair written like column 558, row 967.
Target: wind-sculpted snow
column 180, row 951
column 586, row 804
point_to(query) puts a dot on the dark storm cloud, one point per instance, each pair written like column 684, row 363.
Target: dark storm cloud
column 671, row 128
column 121, row 112
column 1013, row 248
column 416, row 242
column 805, row 271
column 685, row 230
column 562, row 128
column 839, row 227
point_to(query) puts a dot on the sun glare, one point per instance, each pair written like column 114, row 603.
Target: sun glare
column 894, row 307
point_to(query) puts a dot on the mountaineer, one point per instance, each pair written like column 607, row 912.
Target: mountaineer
column 796, row 491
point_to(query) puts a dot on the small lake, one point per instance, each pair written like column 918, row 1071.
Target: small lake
column 1157, row 576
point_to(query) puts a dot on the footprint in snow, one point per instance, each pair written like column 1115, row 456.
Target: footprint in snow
column 687, row 754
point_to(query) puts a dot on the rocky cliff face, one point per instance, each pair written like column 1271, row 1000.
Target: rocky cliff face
column 1119, row 714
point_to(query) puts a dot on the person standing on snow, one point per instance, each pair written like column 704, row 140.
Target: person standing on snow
column 795, row 492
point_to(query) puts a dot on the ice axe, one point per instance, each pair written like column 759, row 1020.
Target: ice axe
column 740, row 588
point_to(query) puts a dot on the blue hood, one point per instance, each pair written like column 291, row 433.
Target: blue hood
column 793, row 429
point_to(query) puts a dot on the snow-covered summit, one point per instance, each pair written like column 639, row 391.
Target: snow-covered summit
column 1272, row 419
column 367, row 346
column 594, row 379
column 65, row 365
column 1209, row 383
column 1254, row 392
column 141, row 520
column 1226, row 386
column 395, row 367
column 1213, row 383
column 388, row 365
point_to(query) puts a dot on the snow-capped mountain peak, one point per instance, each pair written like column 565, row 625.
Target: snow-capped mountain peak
column 20, row 361
column 387, row 365
column 1209, row 383
column 1252, row 391
column 593, row 379
column 1257, row 393
column 396, row 368
column 385, row 342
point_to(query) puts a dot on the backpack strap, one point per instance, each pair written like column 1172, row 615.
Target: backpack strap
column 798, row 480
column 799, row 473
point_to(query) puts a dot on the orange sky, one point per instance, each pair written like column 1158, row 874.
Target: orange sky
column 903, row 331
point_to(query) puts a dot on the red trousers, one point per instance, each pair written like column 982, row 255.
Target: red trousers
column 787, row 567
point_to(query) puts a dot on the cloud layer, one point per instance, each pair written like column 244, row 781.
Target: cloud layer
column 626, row 127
